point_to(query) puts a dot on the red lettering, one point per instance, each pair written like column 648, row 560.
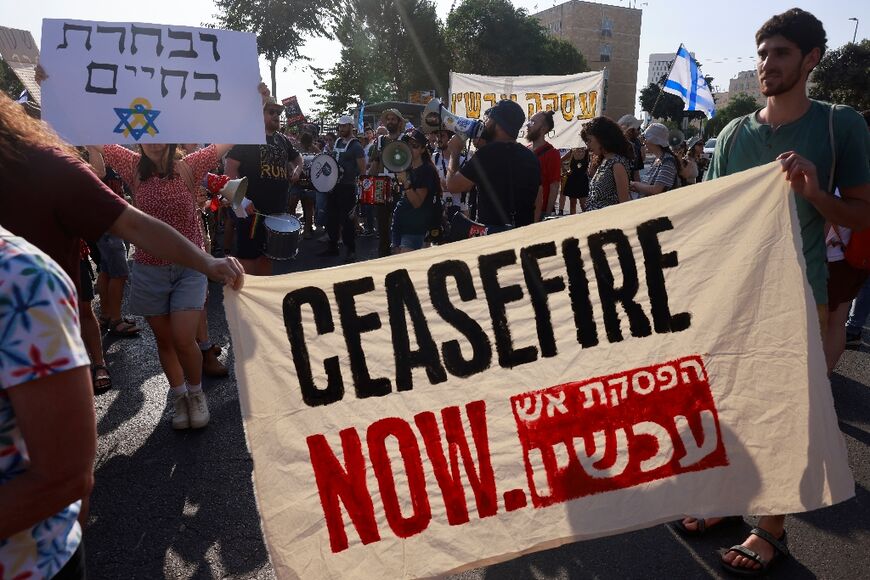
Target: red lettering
column 481, row 477
column 410, row 451
column 346, row 483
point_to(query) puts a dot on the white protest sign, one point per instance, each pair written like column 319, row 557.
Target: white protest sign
column 120, row 82
column 460, row 405
column 20, row 52
column 575, row 98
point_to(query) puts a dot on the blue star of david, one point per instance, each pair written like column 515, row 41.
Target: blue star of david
column 138, row 114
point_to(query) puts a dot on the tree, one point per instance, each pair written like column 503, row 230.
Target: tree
column 281, row 26
column 492, row 37
column 843, row 76
column 9, row 83
column 740, row 105
column 389, row 48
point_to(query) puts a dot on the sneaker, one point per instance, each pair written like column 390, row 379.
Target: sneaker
column 180, row 417
column 199, row 414
column 853, row 338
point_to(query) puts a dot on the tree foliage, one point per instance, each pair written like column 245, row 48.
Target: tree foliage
column 843, row 76
column 9, row 83
column 281, row 26
column 740, row 105
column 493, row 37
column 389, row 48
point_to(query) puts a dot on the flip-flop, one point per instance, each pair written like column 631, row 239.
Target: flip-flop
column 780, row 552
column 703, row 528
column 101, row 384
column 123, row 328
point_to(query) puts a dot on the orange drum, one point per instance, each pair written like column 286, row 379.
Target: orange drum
column 374, row 190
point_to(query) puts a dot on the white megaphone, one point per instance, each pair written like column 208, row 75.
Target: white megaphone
column 436, row 117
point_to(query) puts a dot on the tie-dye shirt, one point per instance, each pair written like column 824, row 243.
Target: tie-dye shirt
column 39, row 336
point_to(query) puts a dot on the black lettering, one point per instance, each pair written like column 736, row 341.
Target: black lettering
column 654, row 263
column 609, row 293
column 497, row 297
column 578, row 291
column 319, row 303
column 539, row 288
column 401, row 296
column 353, row 326
column 481, row 347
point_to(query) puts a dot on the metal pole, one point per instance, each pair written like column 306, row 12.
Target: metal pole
column 855, row 34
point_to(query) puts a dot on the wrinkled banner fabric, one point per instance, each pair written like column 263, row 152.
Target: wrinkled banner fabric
column 461, row 405
column 576, row 99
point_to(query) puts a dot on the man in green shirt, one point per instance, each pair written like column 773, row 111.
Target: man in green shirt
column 796, row 131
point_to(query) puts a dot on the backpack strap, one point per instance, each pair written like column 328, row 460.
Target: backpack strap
column 187, row 175
column 833, row 148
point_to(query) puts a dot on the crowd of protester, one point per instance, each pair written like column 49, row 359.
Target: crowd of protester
column 70, row 216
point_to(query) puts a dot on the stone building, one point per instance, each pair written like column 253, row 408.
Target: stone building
column 747, row 82
column 608, row 37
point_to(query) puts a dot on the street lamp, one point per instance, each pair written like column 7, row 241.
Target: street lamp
column 854, row 34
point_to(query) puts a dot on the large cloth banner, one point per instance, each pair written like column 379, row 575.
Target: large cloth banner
column 461, row 405
column 20, row 52
column 575, row 98
column 121, row 82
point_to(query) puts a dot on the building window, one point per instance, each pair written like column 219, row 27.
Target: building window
column 555, row 27
column 606, row 27
column 605, row 52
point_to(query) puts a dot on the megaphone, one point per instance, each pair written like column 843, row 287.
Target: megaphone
column 396, row 156
column 436, row 117
column 675, row 137
column 232, row 190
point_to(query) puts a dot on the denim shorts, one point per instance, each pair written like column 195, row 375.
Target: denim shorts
column 159, row 290
column 408, row 241
column 113, row 256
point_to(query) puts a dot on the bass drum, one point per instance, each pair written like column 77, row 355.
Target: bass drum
column 324, row 172
column 282, row 236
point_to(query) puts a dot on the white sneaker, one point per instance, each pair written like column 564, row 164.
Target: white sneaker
column 198, row 406
column 180, row 417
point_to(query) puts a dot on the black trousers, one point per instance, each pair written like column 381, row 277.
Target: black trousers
column 340, row 216
column 385, row 218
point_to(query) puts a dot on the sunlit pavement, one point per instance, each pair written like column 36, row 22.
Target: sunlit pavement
column 173, row 504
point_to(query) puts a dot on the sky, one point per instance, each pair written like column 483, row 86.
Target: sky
column 720, row 32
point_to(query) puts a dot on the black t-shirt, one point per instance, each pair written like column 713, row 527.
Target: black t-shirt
column 501, row 171
column 347, row 159
column 265, row 166
column 638, row 163
column 411, row 220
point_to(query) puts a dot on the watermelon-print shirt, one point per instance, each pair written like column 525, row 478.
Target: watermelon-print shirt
column 39, row 336
column 167, row 199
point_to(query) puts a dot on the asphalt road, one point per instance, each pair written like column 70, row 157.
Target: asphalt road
column 181, row 505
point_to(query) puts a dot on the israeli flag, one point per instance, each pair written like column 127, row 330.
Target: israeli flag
column 360, row 122
column 686, row 82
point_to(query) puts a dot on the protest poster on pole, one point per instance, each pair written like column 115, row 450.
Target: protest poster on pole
column 460, row 405
column 293, row 111
column 20, row 52
column 121, row 82
column 575, row 98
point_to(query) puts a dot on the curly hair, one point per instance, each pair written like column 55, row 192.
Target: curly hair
column 609, row 136
column 18, row 129
column 548, row 120
column 797, row 26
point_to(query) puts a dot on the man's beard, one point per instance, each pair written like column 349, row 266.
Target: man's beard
column 488, row 134
column 786, row 83
column 533, row 135
column 392, row 127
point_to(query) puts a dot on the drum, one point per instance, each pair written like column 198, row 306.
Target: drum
column 324, row 172
column 374, row 189
column 282, row 236
column 305, row 179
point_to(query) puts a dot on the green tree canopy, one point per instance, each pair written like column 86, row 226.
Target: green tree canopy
column 493, row 37
column 389, row 48
column 843, row 76
column 740, row 105
column 281, row 26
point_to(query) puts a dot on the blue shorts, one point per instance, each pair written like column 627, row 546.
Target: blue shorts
column 113, row 256
column 408, row 241
column 159, row 290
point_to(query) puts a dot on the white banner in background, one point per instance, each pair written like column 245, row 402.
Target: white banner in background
column 575, row 98
column 460, row 405
column 121, row 82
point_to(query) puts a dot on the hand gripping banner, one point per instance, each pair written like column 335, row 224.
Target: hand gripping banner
column 453, row 407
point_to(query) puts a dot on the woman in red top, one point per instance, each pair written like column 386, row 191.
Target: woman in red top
column 170, row 297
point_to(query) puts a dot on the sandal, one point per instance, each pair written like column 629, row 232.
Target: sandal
column 780, row 552
column 106, row 323
column 101, row 379
column 123, row 328
column 703, row 528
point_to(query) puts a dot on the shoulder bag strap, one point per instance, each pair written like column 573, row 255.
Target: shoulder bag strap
column 732, row 139
column 187, row 175
column 833, row 149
